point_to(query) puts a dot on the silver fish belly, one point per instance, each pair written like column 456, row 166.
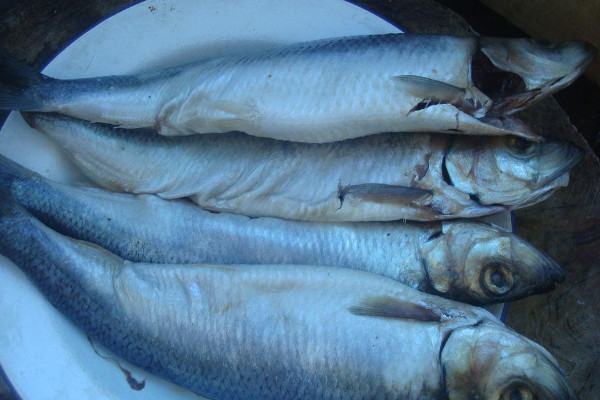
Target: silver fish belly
column 377, row 178
column 467, row 261
column 266, row 332
column 315, row 92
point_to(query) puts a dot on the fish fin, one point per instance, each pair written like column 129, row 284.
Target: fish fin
column 426, row 88
column 449, row 202
column 235, row 109
column 382, row 193
column 18, row 84
column 470, row 101
column 16, row 73
column 227, row 116
column 130, row 125
column 442, row 205
column 431, row 92
column 390, row 307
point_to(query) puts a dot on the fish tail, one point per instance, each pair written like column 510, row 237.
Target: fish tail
column 21, row 86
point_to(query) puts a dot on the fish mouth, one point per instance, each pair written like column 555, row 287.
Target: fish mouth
column 516, row 73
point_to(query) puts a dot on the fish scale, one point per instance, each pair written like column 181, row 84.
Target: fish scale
column 284, row 339
column 434, row 257
column 376, row 178
column 322, row 91
column 204, row 327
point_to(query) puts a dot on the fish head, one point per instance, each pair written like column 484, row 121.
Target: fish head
column 489, row 361
column 482, row 264
column 508, row 170
column 524, row 71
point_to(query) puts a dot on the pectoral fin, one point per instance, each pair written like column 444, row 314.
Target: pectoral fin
column 390, row 307
column 382, row 193
column 237, row 110
column 432, row 92
column 426, row 88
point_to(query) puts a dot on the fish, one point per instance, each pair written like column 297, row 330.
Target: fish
column 321, row 91
column 418, row 176
column 469, row 261
column 272, row 332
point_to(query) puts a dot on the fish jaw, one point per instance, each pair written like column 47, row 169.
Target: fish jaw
column 482, row 264
column 544, row 67
column 488, row 361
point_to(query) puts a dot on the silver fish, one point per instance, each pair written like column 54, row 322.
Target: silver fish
column 383, row 177
column 472, row 262
column 322, row 91
column 273, row 332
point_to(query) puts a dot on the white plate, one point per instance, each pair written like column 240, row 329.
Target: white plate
column 43, row 355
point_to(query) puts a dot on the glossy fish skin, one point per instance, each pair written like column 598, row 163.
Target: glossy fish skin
column 266, row 332
column 314, row 92
column 377, row 178
column 454, row 259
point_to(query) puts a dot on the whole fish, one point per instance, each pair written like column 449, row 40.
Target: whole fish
column 472, row 262
column 322, row 91
column 384, row 177
column 273, row 332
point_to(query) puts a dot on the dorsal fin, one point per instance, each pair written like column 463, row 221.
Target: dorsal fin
column 390, row 307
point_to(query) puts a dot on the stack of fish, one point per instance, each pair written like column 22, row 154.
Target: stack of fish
column 308, row 286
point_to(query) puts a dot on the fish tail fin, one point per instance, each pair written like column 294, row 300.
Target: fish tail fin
column 11, row 172
column 21, row 86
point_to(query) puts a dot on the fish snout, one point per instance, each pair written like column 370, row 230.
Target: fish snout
column 537, row 272
column 548, row 275
column 552, row 273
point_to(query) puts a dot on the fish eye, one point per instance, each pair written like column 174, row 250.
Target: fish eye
column 496, row 278
column 518, row 393
column 520, row 145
